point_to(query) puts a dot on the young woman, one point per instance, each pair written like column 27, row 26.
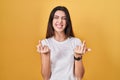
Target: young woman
column 61, row 52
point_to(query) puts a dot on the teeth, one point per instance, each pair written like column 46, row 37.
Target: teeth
column 59, row 25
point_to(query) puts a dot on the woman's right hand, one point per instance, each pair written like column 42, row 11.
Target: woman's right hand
column 45, row 60
column 42, row 49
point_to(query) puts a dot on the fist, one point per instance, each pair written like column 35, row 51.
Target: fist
column 42, row 49
column 81, row 49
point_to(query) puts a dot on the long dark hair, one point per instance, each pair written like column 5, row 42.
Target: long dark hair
column 68, row 29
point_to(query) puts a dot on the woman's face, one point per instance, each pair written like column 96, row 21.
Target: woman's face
column 59, row 21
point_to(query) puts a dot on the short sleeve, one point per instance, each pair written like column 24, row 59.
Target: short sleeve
column 78, row 42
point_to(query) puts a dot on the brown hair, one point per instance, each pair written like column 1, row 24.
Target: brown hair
column 68, row 29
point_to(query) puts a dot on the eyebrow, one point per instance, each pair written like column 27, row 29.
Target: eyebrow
column 57, row 15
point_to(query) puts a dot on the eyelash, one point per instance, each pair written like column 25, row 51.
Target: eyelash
column 56, row 17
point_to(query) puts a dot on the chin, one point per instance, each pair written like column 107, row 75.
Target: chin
column 59, row 30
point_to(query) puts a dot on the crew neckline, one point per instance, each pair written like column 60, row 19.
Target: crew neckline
column 60, row 42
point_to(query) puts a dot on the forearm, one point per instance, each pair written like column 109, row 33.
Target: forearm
column 46, row 68
column 79, row 69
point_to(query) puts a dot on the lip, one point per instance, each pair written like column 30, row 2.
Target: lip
column 59, row 26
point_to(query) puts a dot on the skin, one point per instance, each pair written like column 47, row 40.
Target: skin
column 59, row 24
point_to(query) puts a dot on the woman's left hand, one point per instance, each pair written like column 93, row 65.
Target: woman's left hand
column 81, row 49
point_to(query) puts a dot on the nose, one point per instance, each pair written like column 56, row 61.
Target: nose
column 59, row 20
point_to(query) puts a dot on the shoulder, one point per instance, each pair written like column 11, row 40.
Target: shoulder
column 46, row 41
column 75, row 39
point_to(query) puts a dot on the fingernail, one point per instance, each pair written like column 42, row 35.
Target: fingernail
column 89, row 49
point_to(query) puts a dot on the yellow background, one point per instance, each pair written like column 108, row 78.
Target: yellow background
column 23, row 23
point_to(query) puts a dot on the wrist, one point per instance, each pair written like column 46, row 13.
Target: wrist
column 77, row 57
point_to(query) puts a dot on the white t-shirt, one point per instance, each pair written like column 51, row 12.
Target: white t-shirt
column 62, row 57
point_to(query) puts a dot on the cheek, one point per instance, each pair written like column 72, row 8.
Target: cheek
column 65, row 22
column 53, row 22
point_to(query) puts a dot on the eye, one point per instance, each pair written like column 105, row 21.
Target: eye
column 63, row 18
column 55, row 17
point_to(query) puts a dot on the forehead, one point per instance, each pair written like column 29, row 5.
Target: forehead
column 60, row 13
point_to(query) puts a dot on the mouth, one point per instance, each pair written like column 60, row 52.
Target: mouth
column 59, row 26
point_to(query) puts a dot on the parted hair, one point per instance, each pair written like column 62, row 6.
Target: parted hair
column 68, row 30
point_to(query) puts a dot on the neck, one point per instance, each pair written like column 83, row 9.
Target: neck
column 60, row 36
